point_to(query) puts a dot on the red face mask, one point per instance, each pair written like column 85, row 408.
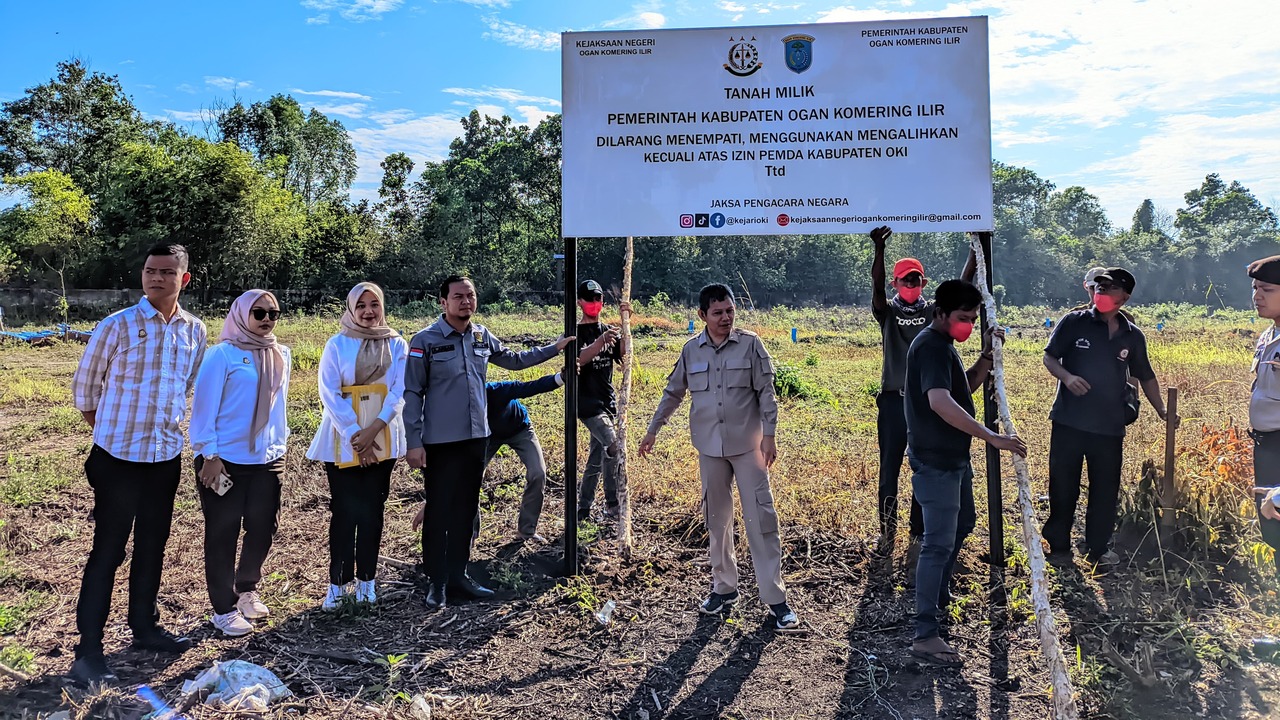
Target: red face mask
column 960, row 331
column 910, row 294
column 592, row 307
column 1104, row 302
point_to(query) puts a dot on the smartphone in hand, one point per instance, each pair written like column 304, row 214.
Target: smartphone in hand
column 224, row 484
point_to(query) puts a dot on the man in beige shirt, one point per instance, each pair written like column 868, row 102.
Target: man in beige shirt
column 733, row 418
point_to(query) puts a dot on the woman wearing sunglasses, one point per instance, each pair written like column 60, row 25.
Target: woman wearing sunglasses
column 238, row 434
column 361, row 434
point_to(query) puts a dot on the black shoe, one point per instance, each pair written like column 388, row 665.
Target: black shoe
column 435, row 597
column 161, row 640
column 470, row 588
column 91, row 670
column 784, row 619
column 718, row 604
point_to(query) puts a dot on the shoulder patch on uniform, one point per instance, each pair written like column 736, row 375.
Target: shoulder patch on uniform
column 416, row 352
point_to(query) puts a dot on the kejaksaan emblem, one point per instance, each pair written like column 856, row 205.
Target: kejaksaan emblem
column 744, row 60
column 799, row 50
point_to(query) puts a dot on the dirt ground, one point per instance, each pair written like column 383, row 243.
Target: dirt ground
column 535, row 652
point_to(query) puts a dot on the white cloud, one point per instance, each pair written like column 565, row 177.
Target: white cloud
column 521, row 36
column 507, row 95
column 350, row 110
column 125, row 62
column 185, row 115
column 186, row 88
column 1175, row 157
column 487, row 3
column 226, row 83
column 342, row 94
column 531, row 115
column 392, row 116
column 1131, row 99
column 731, row 7
column 353, row 10
column 423, row 139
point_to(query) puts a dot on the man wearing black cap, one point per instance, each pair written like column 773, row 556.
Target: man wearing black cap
column 597, row 408
column 1092, row 353
column 1264, row 403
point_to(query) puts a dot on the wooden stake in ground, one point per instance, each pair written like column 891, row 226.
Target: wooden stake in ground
column 1168, row 492
column 624, row 398
column 1064, row 701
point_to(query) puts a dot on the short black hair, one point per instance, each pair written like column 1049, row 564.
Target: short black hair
column 171, row 249
column 715, row 292
column 444, row 286
column 953, row 295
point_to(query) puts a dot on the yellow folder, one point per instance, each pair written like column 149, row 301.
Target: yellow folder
column 366, row 401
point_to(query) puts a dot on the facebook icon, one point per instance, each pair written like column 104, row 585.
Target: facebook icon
column 717, row 220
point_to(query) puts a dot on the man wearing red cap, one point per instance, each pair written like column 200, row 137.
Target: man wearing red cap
column 901, row 319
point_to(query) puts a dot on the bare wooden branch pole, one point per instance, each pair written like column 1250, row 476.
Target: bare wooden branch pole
column 1168, row 491
column 624, row 399
column 1064, row 700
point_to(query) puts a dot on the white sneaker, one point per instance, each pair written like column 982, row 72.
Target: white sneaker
column 365, row 592
column 250, row 605
column 333, row 599
column 232, row 624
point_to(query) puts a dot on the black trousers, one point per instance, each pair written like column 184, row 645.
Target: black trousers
column 253, row 502
column 128, row 498
column 891, row 431
column 452, row 482
column 1069, row 449
column 1266, row 473
column 357, row 498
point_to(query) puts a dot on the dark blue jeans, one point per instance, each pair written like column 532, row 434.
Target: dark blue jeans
column 946, row 499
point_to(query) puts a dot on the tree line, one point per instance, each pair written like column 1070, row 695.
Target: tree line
column 262, row 198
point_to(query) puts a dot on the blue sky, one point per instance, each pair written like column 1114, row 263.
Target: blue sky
column 1129, row 99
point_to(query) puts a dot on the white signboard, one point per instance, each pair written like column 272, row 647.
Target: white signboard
column 787, row 129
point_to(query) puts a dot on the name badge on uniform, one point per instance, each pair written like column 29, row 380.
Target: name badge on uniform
column 142, row 332
column 478, row 345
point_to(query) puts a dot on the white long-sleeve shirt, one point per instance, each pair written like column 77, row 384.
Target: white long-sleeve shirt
column 338, row 369
column 222, row 409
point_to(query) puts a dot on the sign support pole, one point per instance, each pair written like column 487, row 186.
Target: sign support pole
column 991, row 416
column 570, row 408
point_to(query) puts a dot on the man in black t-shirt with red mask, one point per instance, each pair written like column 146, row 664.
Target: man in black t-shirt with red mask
column 602, row 348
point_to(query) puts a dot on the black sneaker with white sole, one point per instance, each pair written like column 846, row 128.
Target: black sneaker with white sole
column 784, row 618
column 717, row 604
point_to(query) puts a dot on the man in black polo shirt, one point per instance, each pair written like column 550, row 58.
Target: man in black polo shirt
column 940, row 426
column 1092, row 353
column 901, row 318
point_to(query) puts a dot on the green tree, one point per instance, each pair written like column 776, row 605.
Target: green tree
column 310, row 153
column 239, row 225
column 50, row 231
column 76, row 124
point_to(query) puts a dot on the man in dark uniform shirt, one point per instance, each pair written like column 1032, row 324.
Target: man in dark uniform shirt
column 901, row 318
column 1092, row 353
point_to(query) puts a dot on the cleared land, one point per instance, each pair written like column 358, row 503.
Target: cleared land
column 1182, row 625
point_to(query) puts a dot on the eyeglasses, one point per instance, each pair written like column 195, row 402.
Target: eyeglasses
column 1103, row 287
column 263, row 313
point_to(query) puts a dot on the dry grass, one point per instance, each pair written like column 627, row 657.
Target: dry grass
column 1192, row 634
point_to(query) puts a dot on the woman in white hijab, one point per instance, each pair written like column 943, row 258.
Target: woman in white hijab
column 359, row 456
column 238, row 432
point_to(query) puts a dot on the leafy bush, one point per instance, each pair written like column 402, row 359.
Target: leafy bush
column 788, row 382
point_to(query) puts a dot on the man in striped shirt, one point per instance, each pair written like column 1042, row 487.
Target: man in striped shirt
column 132, row 386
